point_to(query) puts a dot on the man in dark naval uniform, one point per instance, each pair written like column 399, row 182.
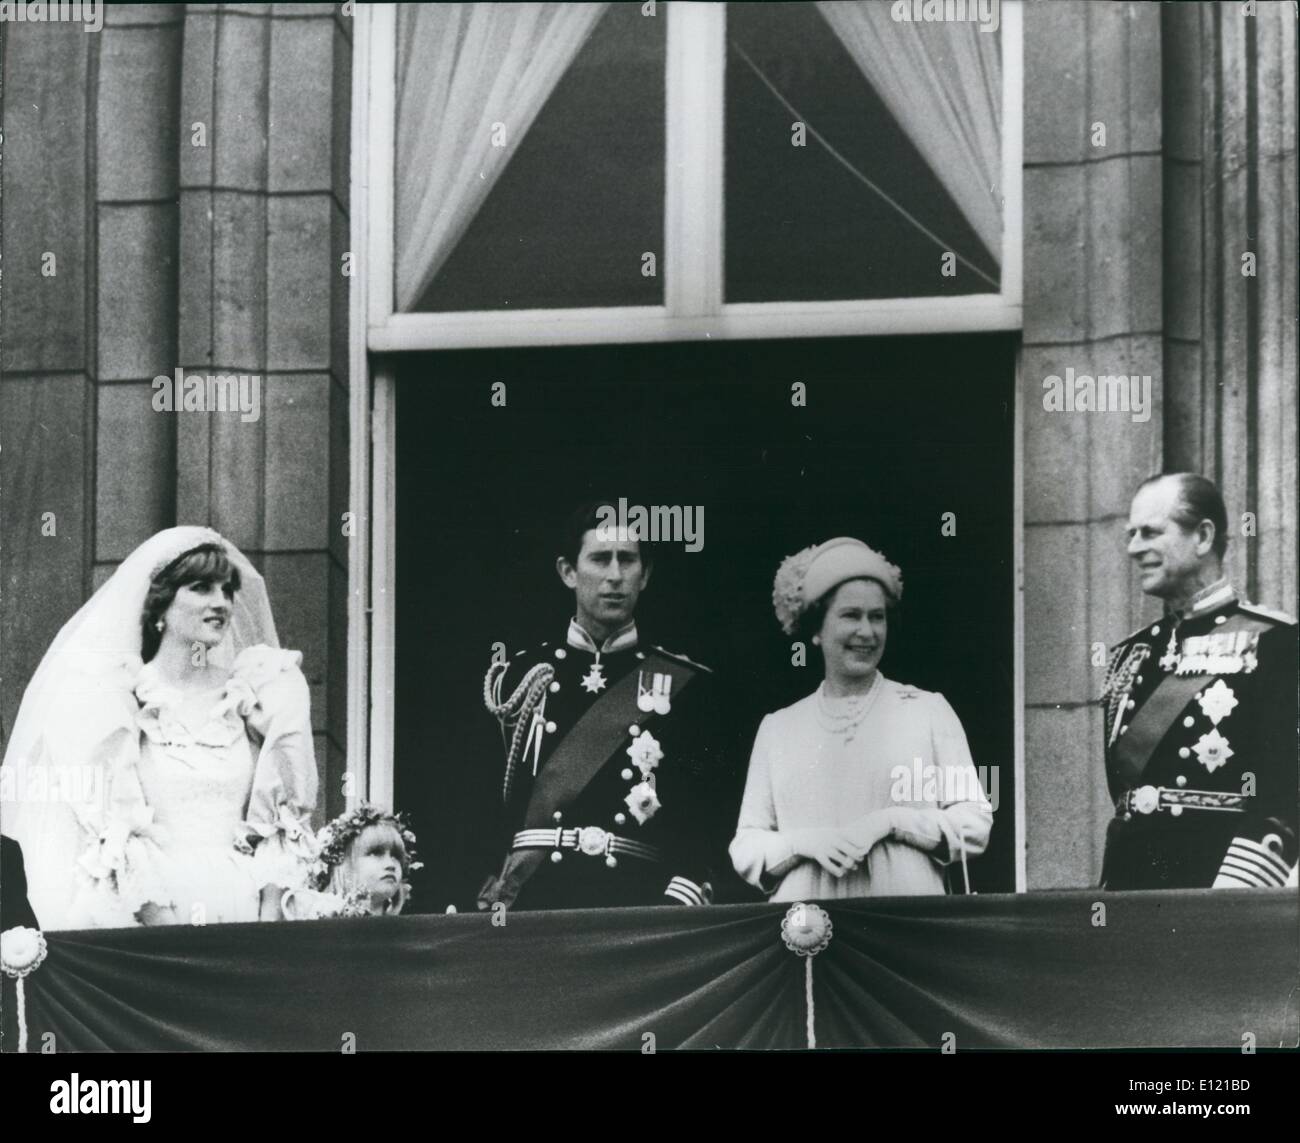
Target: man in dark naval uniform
column 1200, row 712
column 609, row 746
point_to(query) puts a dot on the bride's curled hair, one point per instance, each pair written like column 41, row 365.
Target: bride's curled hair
column 206, row 564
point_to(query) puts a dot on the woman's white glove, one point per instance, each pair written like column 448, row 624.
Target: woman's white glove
column 829, row 847
column 870, row 829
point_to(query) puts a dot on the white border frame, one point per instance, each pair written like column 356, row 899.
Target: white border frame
column 692, row 261
column 693, row 311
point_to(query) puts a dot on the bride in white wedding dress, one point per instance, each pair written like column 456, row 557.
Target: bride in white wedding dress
column 161, row 769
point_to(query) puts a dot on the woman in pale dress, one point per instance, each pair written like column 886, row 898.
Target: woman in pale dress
column 161, row 766
column 866, row 787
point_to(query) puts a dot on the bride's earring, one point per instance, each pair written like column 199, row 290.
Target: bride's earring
column 817, row 640
column 159, row 625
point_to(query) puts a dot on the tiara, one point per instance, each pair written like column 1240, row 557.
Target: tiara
column 335, row 838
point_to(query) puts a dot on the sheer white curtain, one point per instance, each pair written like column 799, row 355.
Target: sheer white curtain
column 942, row 81
column 462, row 69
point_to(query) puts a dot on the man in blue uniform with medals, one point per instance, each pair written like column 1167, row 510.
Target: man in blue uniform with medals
column 1200, row 712
column 609, row 744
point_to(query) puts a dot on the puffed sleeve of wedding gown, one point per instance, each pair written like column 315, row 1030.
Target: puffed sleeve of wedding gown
column 277, row 710
column 96, row 861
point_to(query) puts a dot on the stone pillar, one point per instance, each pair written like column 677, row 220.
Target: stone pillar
column 1230, row 339
column 187, row 168
column 1092, row 304
column 267, row 93
column 47, row 370
column 135, row 105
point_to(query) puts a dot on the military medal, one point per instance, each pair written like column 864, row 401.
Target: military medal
column 594, row 681
column 1219, row 653
column 654, row 697
column 1169, row 660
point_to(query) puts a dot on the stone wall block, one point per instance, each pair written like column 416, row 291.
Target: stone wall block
column 239, row 249
column 302, row 107
column 42, row 318
column 1065, row 788
column 1056, row 76
column 1056, row 254
column 300, row 280
column 1057, row 635
column 197, row 107
column 137, row 290
column 139, row 93
column 297, row 416
column 1124, row 247
column 242, row 103
column 1123, row 450
column 135, row 457
column 1056, row 458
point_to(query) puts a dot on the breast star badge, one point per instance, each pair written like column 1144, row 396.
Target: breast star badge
column 1217, row 702
column 594, row 681
column 1212, row 750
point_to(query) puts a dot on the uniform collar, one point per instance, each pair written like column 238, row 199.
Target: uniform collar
column 622, row 640
column 1212, row 598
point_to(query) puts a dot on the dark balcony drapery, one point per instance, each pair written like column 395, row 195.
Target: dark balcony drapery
column 1193, row 967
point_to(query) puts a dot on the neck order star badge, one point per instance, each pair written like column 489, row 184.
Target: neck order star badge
column 594, row 681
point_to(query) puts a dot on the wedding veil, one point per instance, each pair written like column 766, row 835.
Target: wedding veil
column 77, row 717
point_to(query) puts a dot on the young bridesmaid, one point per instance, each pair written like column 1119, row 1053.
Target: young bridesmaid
column 366, row 857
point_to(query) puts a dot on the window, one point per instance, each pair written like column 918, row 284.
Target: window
column 671, row 133
column 570, row 173
column 834, row 191
column 568, row 214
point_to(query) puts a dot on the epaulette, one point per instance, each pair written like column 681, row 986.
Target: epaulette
column 1133, row 635
column 1262, row 612
column 682, row 659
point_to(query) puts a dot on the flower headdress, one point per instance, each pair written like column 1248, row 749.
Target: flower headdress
column 335, row 838
column 806, row 576
column 787, row 588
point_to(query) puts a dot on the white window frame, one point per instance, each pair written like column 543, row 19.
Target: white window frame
column 693, row 309
column 693, row 259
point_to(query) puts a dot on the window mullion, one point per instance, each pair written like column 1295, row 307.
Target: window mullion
column 382, row 33
column 693, row 217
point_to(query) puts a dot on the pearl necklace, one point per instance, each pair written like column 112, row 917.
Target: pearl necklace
column 844, row 717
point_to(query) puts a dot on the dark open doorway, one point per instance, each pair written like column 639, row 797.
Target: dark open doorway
column 896, row 432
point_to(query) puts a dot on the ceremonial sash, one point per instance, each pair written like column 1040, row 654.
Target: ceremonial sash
column 587, row 747
column 578, row 758
column 1150, row 724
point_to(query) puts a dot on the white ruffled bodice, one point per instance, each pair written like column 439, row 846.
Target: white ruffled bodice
column 203, row 815
column 197, row 781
